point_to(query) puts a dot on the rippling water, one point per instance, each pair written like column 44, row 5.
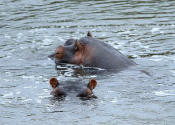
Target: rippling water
column 142, row 30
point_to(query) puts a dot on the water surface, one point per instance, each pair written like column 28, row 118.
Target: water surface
column 142, row 30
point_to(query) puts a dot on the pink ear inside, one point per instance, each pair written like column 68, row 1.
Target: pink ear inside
column 54, row 82
column 92, row 83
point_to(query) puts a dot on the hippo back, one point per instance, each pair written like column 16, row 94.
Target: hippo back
column 104, row 55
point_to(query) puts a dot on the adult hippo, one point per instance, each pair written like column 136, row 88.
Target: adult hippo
column 72, row 88
column 91, row 52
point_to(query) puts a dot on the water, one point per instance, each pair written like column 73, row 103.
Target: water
column 142, row 30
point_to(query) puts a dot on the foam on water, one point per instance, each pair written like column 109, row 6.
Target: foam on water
column 156, row 59
column 155, row 29
column 10, row 94
column 47, row 42
column 36, row 30
column 26, row 100
column 114, row 100
column 165, row 93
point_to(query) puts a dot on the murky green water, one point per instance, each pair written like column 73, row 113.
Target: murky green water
column 142, row 30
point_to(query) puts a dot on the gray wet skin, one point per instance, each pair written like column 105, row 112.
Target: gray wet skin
column 91, row 52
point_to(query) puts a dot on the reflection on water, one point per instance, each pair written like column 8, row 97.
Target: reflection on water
column 142, row 30
column 70, row 70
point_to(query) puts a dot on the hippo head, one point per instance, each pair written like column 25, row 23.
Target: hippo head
column 65, row 54
column 73, row 52
column 72, row 88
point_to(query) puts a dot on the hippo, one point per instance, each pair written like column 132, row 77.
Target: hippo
column 91, row 52
column 72, row 88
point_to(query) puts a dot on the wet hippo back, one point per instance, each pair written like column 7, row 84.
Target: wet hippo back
column 102, row 55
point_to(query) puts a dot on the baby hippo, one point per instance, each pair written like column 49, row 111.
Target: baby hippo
column 72, row 88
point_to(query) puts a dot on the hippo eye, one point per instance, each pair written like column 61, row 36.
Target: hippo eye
column 57, row 53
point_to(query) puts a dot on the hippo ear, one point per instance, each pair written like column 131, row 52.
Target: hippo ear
column 89, row 34
column 92, row 84
column 54, row 82
column 77, row 45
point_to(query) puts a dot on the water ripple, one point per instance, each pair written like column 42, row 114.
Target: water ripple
column 142, row 30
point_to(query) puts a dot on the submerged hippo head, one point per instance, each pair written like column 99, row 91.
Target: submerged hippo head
column 76, row 88
column 91, row 52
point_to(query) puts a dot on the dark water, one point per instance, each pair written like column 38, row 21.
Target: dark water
column 142, row 30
